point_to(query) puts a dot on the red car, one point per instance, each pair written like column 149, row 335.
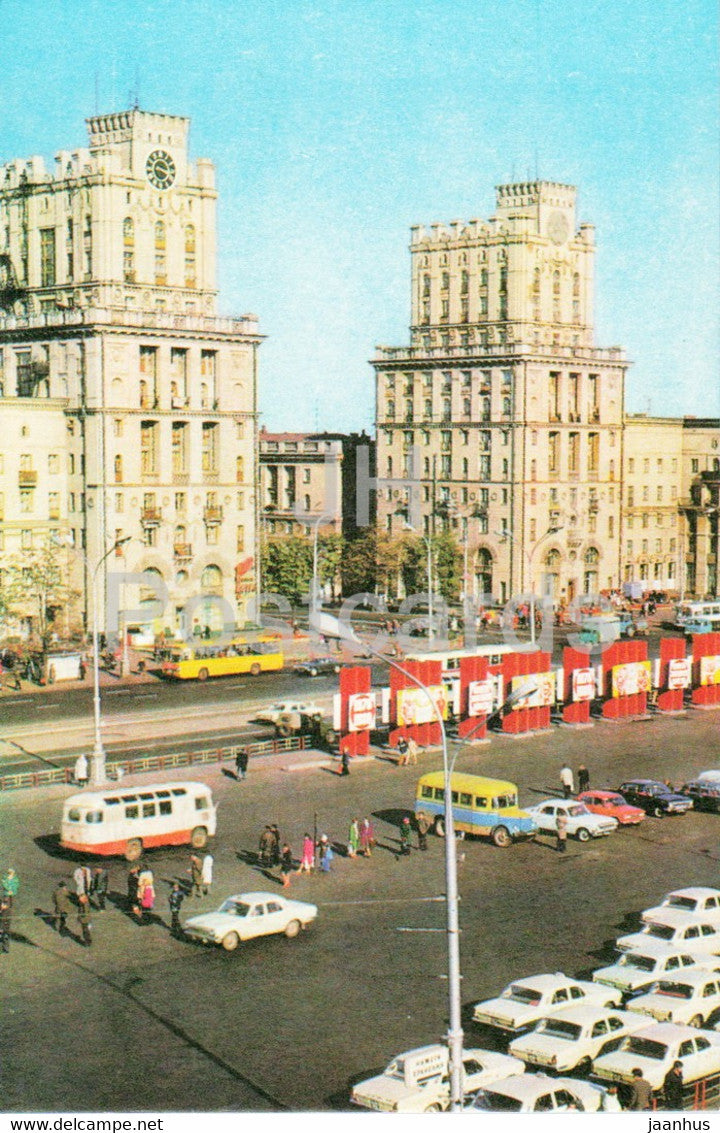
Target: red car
column 612, row 804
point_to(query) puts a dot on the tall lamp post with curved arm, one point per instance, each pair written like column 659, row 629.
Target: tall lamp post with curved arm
column 329, row 626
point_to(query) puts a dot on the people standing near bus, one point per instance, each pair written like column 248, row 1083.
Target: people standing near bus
column 147, row 897
column 265, row 846
column 132, row 888
column 207, row 873
column 81, row 881
column 99, row 886
column 307, row 861
column 195, row 872
column 405, row 836
column 402, row 752
column 423, row 822
column 175, row 900
column 275, row 845
column 412, row 751
column 83, row 917
column 353, row 838
column 61, row 907
column 81, row 770
column 286, row 865
column 367, row 837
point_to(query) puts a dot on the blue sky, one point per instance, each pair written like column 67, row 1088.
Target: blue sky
column 336, row 125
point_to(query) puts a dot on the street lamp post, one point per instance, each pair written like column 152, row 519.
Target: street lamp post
column 329, row 626
column 98, row 772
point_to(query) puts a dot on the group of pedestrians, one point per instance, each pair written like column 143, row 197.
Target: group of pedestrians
column 567, row 780
column 407, row 752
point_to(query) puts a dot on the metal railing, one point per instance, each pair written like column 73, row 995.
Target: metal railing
column 46, row 776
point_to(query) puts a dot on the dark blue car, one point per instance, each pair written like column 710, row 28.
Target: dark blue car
column 654, row 797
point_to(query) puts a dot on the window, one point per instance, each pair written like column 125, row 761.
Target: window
column 128, row 250
column 118, row 469
column 179, row 447
column 484, row 467
column 160, row 258
column 47, row 257
column 574, row 453
column 190, row 263
column 240, row 538
column 26, row 500
column 53, row 463
column 553, row 452
column 148, row 447
column 593, row 451
column 119, row 502
column 209, row 447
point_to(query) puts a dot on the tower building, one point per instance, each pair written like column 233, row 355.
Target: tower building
column 127, row 403
column 502, row 418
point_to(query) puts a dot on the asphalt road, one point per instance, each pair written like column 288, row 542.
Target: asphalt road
column 159, row 1024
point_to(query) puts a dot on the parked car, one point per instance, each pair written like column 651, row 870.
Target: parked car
column 418, row 1081
column 581, row 822
column 272, row 714
column 574, row 1036
column 317, row 667
column 612, row 805
column 635, row 972
column 247, row 915
column 654, row 797
column 538, row 1093
column 692, row 998
column 696, row 900
column 654, row 1049
column 523, row 1003
column 679, row 929
column 704, row 793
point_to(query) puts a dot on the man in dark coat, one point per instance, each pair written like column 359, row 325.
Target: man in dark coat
column 99, row 885
column 5, row 915
column 241, row 763
column 640, row 1091
column 175, row 900
column 673, row 1087
column 62, row 906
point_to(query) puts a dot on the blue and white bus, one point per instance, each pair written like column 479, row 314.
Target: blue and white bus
column 698, row 617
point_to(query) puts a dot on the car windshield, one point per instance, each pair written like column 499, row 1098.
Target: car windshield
column 631, row 960
column 577, row 810
column 615, row 800
column 488, row 1099
column 560, row 1029
column 396, row 1069
column 679, row 991
column 682, row 903
column 644, row 1048
column 662, row 931
column 235, row 908
column 520, row 994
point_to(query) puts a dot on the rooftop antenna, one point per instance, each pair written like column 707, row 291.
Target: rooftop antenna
column 135, row 95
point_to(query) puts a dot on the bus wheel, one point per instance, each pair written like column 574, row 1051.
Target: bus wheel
column 198, row 838
column 230, row 941
column 203, row 675
column 440, row 827
column 501, row 837
column 133, row 850
column 255, row 670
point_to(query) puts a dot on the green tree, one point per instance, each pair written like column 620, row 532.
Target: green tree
column 447, row 566
column 330, row 555
column 287, row 567
column 36, row 585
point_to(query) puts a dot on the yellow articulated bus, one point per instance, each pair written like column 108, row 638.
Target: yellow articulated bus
column 200, row 662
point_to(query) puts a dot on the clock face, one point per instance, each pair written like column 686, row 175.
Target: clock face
column 558, row 228
column 160, row 169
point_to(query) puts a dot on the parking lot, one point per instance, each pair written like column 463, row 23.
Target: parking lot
column 157, row 1023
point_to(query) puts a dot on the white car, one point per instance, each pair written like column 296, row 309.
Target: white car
column 691, row 998
column 636, row 972
column 272, row 714
column 581, row 822
column 574, row 1036
column 538, row 1093
column 418, row 1081
column 247, row 915
column 678, row 929
column 523, row 1003
column 654, row 1049
column 697, row 900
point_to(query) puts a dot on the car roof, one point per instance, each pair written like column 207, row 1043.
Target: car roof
column 255, row 896
column 678, row 918
column 693, row 891
column 542, row 802
column 658, row 948
column 690, row 977
column 666, row 1032
column 523, row 1086
column 546, row 980
column 584, row 1013
column 643, row 783
column 601, row 794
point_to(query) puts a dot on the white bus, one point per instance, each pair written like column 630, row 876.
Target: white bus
column 450, row 661
column 128, row 820
column 698, row 617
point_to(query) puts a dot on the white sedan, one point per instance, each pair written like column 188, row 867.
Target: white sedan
column 538, row 1093
column 635, row 972
column 692, row 998
column 696, row 900
column 247, row 915
column 574, row 1036
column 523, row 1003
column 678, row 929
column 581, row 823
column 654, row 1049
column 273, row 712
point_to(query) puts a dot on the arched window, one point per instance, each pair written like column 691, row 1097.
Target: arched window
column 556, row 282
column 211, row 580
column 128, row 232
column 576, row 285
column 160, row 235
column 592, row 556
column 118, row 469
column 128, row 250
column 190, row 264
column 160, row 259
column 240, row 469
column 189, row 238
column 484, row 572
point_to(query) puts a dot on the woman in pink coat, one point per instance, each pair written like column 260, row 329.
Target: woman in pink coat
column 367, row 837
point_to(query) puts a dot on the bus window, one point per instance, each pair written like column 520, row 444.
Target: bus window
column 465, row 800
column 439, row 793
column 74, row 815
column 132, row 812
column 163, row 794
column 148, row 810
column 454, row 796
column 94, row 816
column 146, row 796
column 481, row 802
column 201, row 803
column 165, row 806
column 129, row 798
column 111, row 802
column 426, row 792
column 179, row 791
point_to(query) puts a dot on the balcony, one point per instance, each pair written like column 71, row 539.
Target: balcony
column 27, row 478
column 151, row 516
column 213, row 515
column 182, row 550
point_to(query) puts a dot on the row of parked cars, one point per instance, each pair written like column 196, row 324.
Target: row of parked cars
column 657, row 1005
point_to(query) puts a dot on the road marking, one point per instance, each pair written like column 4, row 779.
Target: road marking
column 17, row 700
column 44, row 707
column 403, row 928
